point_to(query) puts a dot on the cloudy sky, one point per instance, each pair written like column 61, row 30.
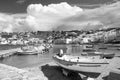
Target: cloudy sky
column 44, row 15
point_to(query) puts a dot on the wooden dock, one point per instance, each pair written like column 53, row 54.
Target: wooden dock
column 6, row 53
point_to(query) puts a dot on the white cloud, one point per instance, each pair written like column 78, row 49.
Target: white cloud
column 10, row 23
column 60, row 16
column 61, row 9
column 5, row 22
column 47, row 17
column 38, row 17
column 106, row 15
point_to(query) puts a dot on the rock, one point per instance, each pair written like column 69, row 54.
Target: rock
column 6, row 79
column 13, row 73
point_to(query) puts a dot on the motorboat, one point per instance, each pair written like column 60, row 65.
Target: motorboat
column 27, row 53
column 33, row 50
column 82, row 64
column 88, row 48
column 102, row 47
column 97, row 53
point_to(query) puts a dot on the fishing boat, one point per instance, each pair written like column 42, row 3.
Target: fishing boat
column 96, row 53
column 102, row 46
column 88, row 48
column 82, row 64
column 27, row 53
column 31, row 50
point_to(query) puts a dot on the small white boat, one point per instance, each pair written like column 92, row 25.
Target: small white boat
column 33, row 50
column 84, row 64
column 101, row 54
column 27, row 52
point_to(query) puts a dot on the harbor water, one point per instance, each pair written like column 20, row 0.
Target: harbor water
column 22, row 61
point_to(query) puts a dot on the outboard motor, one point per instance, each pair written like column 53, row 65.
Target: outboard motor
column 61, row 53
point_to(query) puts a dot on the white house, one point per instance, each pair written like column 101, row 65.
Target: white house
column 68, row 40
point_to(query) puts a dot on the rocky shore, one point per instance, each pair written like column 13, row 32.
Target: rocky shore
column 13, row 73
column 9, row 52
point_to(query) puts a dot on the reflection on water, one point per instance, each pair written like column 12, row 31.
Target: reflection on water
column 22, row 61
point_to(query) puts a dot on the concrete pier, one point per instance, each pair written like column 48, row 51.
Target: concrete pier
column 6, row 53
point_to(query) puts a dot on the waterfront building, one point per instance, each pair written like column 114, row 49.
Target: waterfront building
column 68, row 40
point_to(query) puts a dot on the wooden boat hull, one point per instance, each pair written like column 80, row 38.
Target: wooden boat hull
column 87, row 67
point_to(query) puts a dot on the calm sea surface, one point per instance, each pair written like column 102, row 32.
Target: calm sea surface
column 22, row 61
